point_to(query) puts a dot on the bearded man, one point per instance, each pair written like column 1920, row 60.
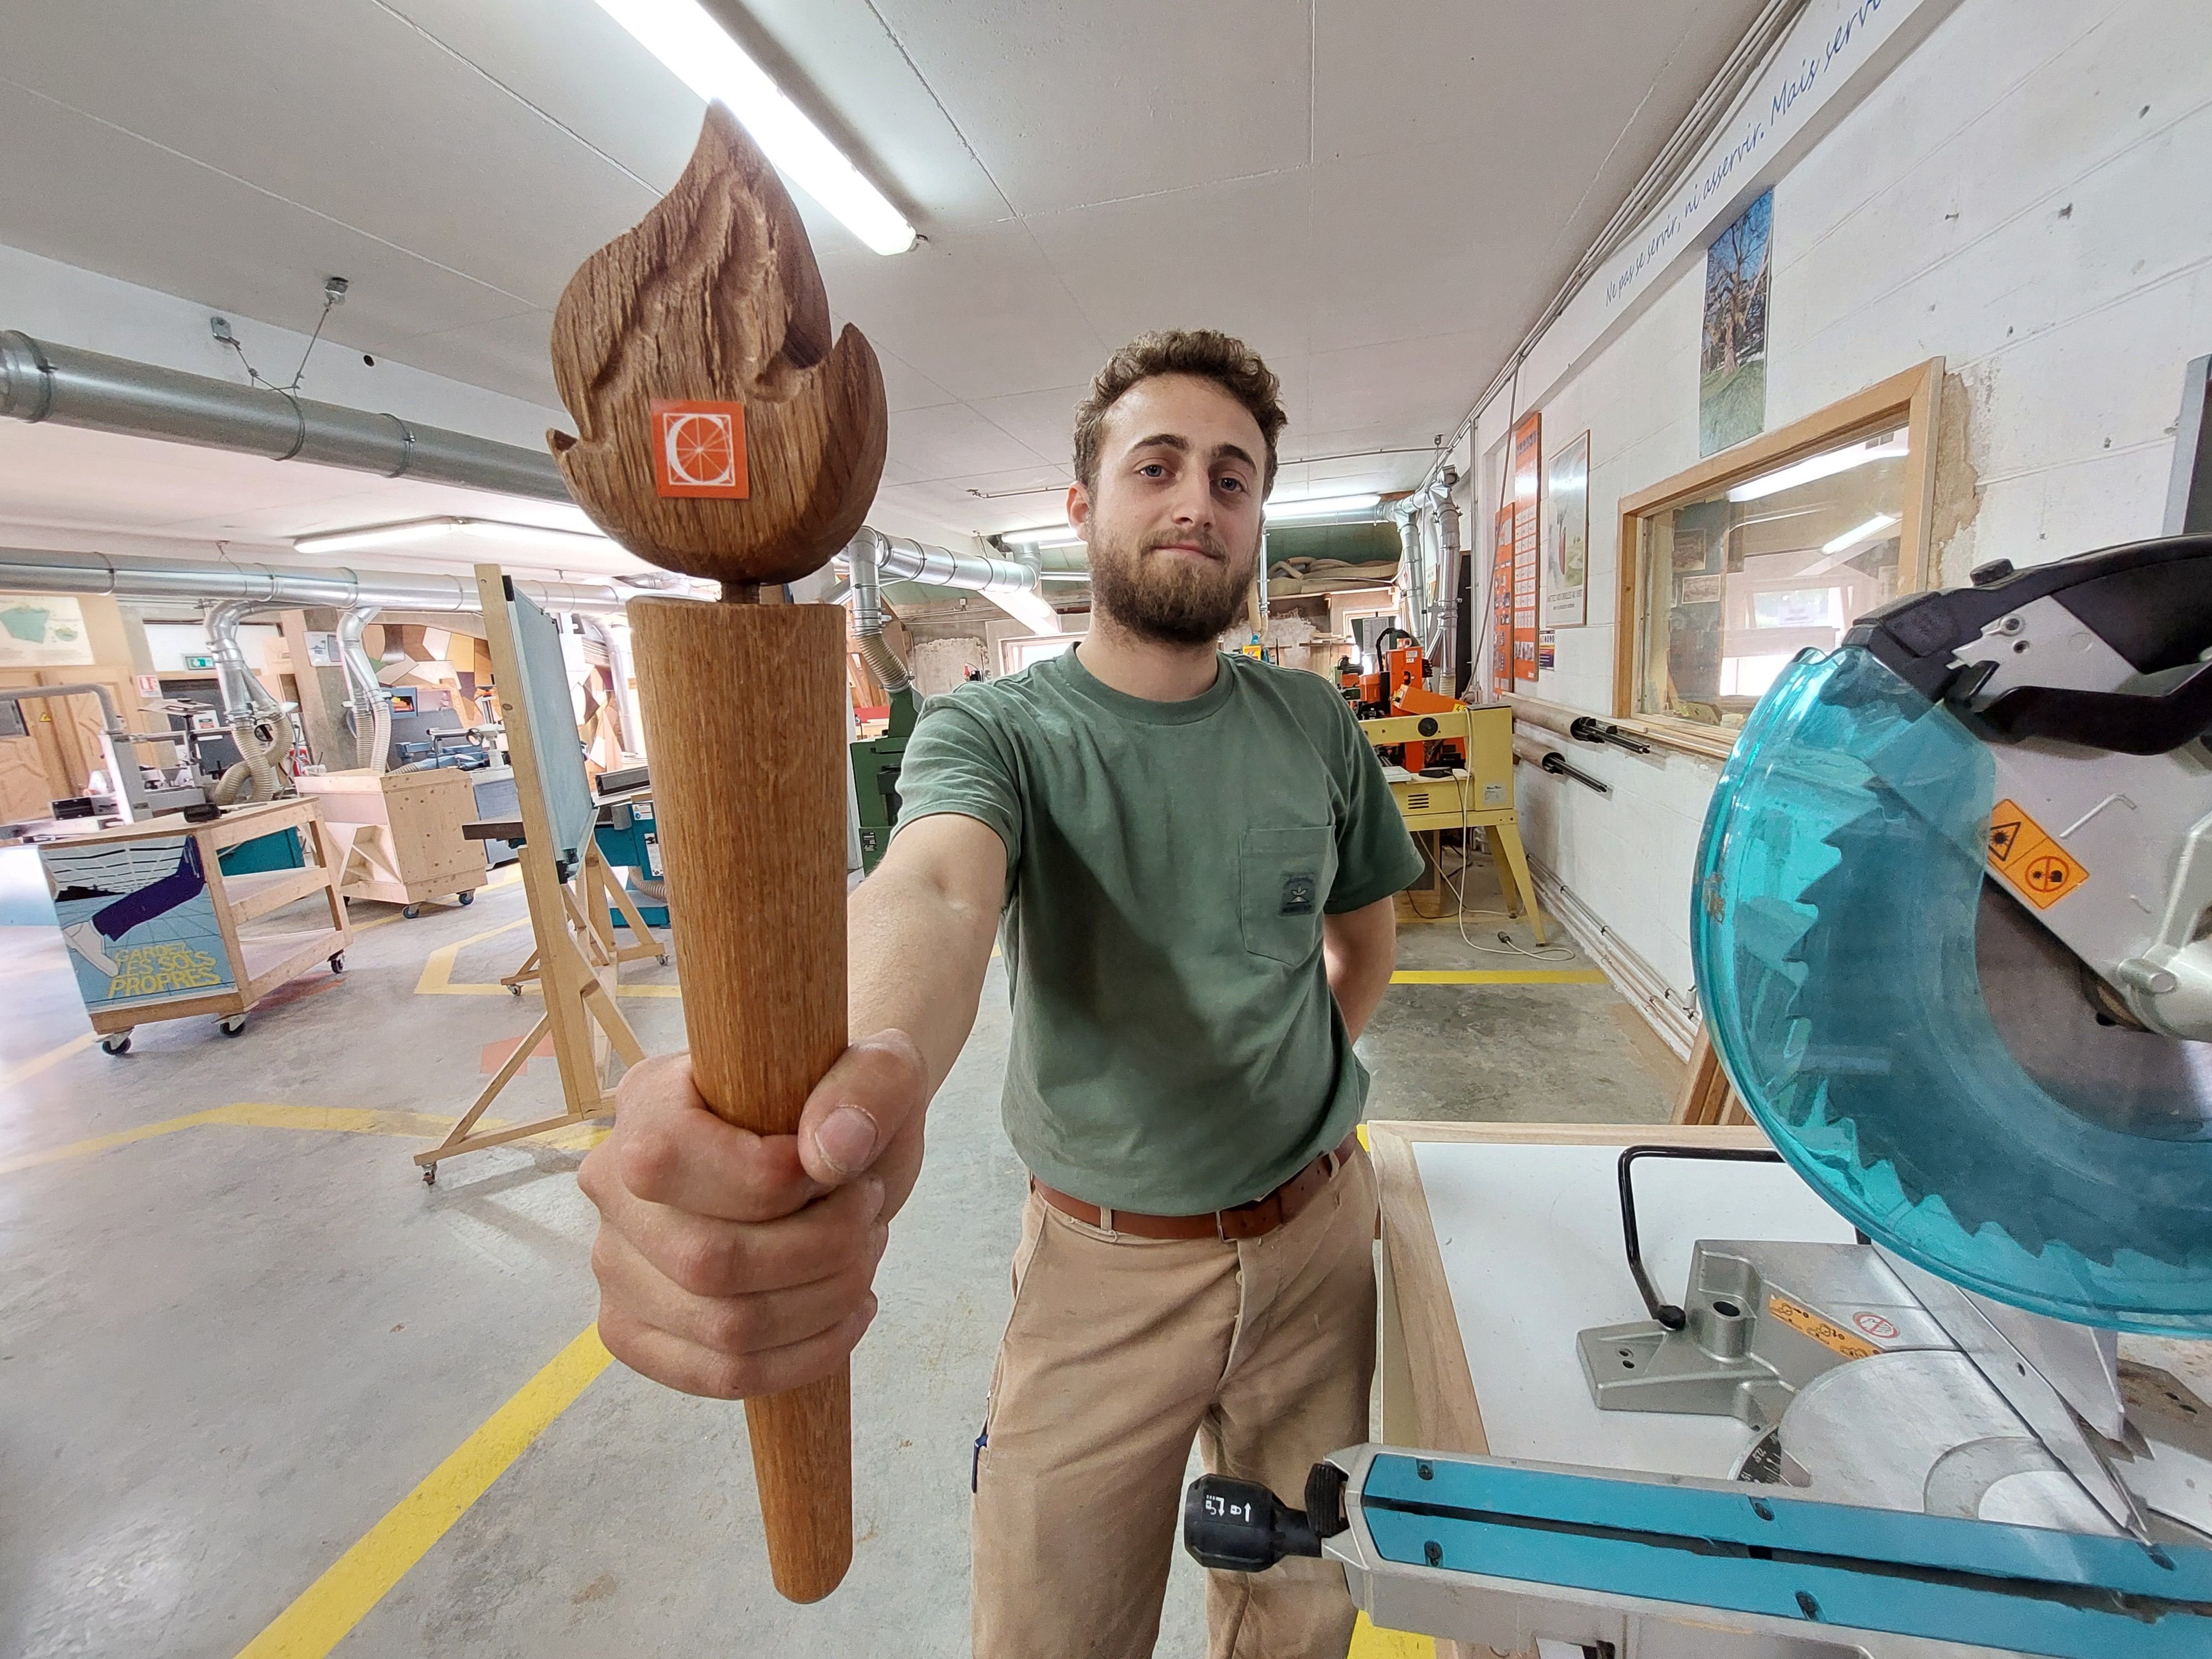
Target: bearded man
column 1189, row 857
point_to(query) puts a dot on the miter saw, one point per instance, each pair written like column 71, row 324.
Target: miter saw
column 1952, row 928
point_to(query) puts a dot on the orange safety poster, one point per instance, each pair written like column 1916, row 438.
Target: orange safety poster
column 1501, row 607
column 1528, row 447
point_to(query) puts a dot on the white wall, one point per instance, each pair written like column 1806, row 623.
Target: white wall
column 2027, row 195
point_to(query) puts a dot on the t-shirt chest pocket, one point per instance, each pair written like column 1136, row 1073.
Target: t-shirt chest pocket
column 1283, row 877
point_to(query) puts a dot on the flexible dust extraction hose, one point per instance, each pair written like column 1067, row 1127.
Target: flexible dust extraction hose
column 368, row 705
column 865, row 553
column 248, row 708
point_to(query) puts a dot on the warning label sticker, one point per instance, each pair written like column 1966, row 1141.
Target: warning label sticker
column 2024, row 853
column 1824, row 1332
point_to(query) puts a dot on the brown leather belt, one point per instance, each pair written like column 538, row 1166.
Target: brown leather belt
column 1254, row 1220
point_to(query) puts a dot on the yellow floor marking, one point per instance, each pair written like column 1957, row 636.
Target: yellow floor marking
column 360, row 1578
column 342, row 1120
column 1369, row 1642
column 1498, row 976
column 30, row 1068
column 437, row 978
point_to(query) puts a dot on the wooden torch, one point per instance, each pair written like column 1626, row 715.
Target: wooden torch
column 722, row 432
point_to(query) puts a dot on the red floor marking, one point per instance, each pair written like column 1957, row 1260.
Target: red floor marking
column 495, row 1054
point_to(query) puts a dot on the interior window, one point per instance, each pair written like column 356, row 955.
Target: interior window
column 1738, row 582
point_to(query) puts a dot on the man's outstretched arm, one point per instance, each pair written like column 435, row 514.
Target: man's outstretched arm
column 732, row 1263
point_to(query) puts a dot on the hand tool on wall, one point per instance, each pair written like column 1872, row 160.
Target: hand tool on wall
column 722, row 433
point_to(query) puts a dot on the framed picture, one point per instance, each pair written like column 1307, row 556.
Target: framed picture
column 1566, row 538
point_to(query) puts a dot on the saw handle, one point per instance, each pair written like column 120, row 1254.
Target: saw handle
column 1666, row 1312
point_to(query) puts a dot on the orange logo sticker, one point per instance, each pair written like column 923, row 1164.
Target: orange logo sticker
column 699, row 448
column 2024, row 853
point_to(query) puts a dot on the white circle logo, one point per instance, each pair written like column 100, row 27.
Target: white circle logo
column 700, row 449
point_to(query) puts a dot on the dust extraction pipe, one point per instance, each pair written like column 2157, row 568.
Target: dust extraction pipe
column 368, row 704
column 873, row 558
column 247, row 710
column 42, row 381
column 123, row 576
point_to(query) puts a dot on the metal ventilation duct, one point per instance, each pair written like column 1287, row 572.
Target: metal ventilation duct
column 273, row 586
column 42, row 381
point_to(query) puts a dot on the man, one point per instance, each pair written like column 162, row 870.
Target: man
column 1192, row 856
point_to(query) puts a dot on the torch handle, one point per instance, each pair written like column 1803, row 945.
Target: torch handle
column 745, row 703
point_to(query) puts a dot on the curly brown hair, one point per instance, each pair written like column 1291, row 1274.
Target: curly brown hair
column 1205, row 353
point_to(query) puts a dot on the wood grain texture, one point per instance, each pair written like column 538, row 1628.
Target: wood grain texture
column 745, row 706
column 715, row 295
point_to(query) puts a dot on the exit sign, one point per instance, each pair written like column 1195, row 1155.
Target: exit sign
column 199, row 662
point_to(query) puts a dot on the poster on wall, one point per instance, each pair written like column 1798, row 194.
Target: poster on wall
column 1501, row 607
column 1566, row 537
column 139, row 919
column 1732, row 354
column 42, row 630
column 1528, row 517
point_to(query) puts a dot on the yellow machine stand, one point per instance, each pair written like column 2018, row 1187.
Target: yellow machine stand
column 1477, row 796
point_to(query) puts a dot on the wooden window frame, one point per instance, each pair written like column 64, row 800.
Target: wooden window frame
column 1910, row 397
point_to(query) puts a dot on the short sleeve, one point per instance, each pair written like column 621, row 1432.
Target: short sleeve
column 957, row 762
column 1374, row 853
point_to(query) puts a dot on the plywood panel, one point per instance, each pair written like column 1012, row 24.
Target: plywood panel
column 24, row 794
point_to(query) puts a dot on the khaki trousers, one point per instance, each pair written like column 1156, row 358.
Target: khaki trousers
column 1119, row 1351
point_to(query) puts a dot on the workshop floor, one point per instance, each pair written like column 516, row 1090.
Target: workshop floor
column 251, row 1367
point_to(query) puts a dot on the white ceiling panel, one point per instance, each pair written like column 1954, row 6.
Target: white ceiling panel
column 1378, row 198
column 1238, row 257
column 979, row 311
column 1068, row 102
column 943, row 443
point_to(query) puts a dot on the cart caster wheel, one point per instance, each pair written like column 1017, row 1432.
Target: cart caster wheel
column 429, row 1175
column 514, row 990
column 118, row 1044
column 337, row 962
column 662, row 958
column 469, row 898
column 234, row 1025
column 411, row 912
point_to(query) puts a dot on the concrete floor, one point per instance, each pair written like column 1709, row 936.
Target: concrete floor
column 227, row 1350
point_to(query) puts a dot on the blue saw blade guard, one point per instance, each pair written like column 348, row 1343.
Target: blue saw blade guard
column 1832, row 928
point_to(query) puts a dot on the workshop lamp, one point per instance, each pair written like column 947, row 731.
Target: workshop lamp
column 1890, row 447
column 697, row 51
column 413, row 531
column 1318, row 506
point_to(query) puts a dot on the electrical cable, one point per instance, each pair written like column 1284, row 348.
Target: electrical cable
column 1506, row 946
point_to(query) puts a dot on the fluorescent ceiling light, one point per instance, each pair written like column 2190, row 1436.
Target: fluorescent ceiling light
column 1043, row 535
column 415, row 530
column 1032, row 608
column 1865, row 533
column 698, row 53
column 1319, row 507
column 1063, row 575
column 1889, row 446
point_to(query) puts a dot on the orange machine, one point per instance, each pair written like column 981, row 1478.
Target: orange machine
column 1395, row 686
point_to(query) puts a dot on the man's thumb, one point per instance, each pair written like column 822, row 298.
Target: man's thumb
column 856, row 1110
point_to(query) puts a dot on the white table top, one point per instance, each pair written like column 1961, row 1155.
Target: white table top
column 1531, row 1240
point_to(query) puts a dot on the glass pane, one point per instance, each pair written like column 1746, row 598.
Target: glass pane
column 1737, row 583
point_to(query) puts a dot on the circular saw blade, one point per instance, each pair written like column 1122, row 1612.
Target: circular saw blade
column 1834, row 929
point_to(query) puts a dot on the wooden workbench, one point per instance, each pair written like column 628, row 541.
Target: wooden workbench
column 191, row 949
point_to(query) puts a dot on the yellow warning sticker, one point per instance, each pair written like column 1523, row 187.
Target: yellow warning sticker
column 1824, row 1332
column 2024, row 853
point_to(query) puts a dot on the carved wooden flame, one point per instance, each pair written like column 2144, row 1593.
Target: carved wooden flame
column 715, row 295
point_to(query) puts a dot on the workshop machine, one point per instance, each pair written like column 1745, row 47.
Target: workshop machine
column 876, row 762
column 1952, row 928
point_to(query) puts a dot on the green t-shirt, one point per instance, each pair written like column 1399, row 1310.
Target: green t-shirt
column 1176, row 1047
